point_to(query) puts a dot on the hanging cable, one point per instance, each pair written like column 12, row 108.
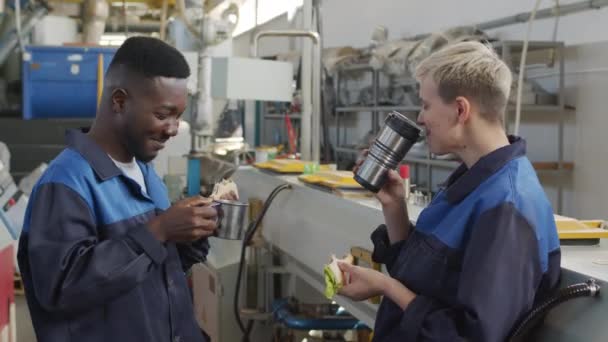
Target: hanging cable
column 522, row 67
column 250, row 232
column 557, row 15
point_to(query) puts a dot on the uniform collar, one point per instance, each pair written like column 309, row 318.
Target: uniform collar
column 99, row 160
column 463, row 181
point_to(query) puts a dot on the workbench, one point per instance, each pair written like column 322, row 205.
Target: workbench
column 307, row 225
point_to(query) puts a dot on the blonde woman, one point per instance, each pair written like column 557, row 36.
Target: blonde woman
column 486, row 248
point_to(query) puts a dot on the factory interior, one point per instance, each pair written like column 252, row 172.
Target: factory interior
column 324, row 186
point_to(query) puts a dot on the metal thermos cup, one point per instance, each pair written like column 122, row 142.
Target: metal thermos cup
column 231, row 219
column 388, row 150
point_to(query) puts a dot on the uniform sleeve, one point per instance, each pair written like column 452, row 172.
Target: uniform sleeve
column 500, row 274
column 385, row 252
column 71, row 269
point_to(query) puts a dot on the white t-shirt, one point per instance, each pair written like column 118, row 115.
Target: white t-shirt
column 132, row 170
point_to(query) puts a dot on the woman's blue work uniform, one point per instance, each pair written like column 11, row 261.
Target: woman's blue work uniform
column 480, row 255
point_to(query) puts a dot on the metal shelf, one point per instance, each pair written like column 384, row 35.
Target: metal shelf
column 356, row 67
column 524, row 108
column 553, row 166
column 281, row 116
column 346, row 150
column 508, row 51
column 516, row 46
column 452, row 164
column 377, row 109
column 542, row 108
column 413, row 160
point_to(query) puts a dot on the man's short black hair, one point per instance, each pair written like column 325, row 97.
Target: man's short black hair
column 151, row 57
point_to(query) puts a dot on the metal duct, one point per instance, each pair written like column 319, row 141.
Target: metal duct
column 94, row 19
column 202, row 117
column 144, row 26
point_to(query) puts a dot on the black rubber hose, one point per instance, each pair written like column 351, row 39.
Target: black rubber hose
column 523, row 328
column 249, row 233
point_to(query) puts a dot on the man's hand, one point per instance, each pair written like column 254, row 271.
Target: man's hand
column 188, row 220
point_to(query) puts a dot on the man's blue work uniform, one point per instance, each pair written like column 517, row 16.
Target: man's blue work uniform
column 483, row 252
column 91, row 268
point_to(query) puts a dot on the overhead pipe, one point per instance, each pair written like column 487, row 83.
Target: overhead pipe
column 310, row 142
column 544, row 13
column 144, row 26
column 10, row 40
column 540, row 14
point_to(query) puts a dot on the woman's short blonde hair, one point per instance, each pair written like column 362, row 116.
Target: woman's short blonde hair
column 472, row 70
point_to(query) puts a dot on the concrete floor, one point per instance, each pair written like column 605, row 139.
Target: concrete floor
column 25, row 331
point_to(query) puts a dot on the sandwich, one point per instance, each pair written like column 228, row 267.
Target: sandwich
column 335, row 279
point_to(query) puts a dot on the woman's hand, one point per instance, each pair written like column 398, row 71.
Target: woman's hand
column 364, row 283
column 392, row 192
column 361, row 283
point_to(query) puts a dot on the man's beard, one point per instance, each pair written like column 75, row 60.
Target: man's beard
column 135, row 146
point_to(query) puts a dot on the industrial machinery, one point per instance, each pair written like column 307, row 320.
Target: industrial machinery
column 13, row 203
column 301, row 228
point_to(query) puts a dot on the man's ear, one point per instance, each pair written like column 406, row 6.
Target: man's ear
column 119, row 97
column 463, row 108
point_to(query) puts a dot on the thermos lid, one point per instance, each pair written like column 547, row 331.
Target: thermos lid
column 403, row 126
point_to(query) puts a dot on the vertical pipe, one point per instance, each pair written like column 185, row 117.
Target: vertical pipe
column 13, row 319
column 263, row 139
column 560, row 146
column 306, row 86
column 337, row 145
column 375, row 91
column 316, row 102
column 506, row 57
column 202, row 123
column 561, row 96
column 163, row 20
column 337, row 137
